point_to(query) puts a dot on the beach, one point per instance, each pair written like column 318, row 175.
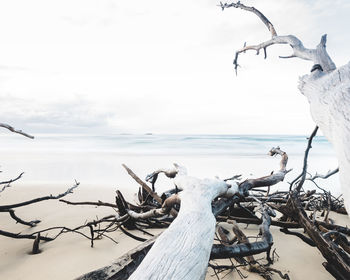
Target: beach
column 51, row 169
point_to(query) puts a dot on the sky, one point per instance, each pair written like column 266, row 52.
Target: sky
column 159, row 66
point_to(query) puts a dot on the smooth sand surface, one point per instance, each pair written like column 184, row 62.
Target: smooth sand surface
column 71, row 255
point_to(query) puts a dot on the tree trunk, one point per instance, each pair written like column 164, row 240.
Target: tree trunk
column 183, row 250
column 329, row 98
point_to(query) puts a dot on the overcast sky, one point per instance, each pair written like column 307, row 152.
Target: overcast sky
column 159, row 66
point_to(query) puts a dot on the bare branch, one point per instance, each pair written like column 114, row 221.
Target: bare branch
column 272, row 179
column 35, row 200
column 23, row 236
column 244, row 187
column 19, row 220
column 124, row 266
column 7, row 183
column 329, row 174
column 318, row 55
column 284, row 160
column 304, row 171
column 152, row 178
column 304, row 238
column 264, row 19
column 98, row 203
column 234, row 177
column 220, row 251
column 15, row 130
column 159, row 212
column 173, row 212
column 143, row 184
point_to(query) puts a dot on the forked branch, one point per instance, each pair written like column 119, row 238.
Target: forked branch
column 7, row 183
column 318, row 55
column 35, row 200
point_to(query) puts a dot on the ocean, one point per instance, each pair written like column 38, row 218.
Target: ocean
column 95, row 160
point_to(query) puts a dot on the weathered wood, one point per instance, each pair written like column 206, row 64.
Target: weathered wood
column 35, row 200
column 254, row 266
column 256, row 221
column 329, row 98
column 24, row 236
column 220, row 251
column 196, row 226
column 19, row 220
column 123, row 267
column 8, row 182
column 158, row 212
column 329, row 250
column 182, row 251
column 327, row 89
column 154, row 195
column 318, row 55
column 36, row 243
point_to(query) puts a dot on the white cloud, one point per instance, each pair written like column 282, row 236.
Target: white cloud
column 158, row 66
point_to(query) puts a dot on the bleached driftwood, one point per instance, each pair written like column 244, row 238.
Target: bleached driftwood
column 329, row 98
column 327, row 89
column 166, row 208
column 223, row 206
column 183, row 250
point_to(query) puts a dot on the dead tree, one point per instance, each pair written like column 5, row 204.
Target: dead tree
column 177, row 242
column 327, row 89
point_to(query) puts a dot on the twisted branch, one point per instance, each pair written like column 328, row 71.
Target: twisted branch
column 318, row 55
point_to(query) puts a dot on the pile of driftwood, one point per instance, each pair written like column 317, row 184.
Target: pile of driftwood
column 197, row 210
column 187, row 211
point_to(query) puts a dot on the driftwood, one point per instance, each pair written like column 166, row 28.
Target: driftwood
column 190, row 212
column 193, row 214
column 338, row 262
column 245, row 249
column 182, row 252
column 226, row 200
column 253, row 265
column 326, row 88
column 240, row 203
column 124, row 266
column 112, row 222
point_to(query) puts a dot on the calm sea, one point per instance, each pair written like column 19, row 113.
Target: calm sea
column 96, row 159
column 230, row 145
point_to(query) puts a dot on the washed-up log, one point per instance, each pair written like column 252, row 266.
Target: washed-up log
column 124, row 266
column 182, row 251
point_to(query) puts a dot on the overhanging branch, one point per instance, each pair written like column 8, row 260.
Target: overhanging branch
column 318, row 55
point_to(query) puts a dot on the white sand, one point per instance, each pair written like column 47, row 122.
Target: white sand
column 71, row 255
